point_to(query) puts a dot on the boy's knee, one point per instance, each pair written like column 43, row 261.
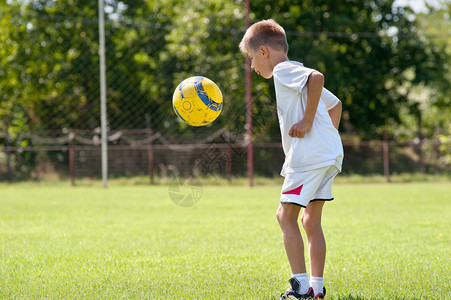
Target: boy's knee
column 279, row 214
column 280, row 217
column 304, row 221
column 286, row 216
column 309, row 224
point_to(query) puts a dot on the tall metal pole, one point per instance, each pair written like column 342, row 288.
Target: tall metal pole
column 250, row 146
column 103, row 118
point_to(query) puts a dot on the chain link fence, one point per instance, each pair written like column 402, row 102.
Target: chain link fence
column 50, row 98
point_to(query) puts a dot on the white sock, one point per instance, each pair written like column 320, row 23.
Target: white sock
column 317, row 284
column 303, row 281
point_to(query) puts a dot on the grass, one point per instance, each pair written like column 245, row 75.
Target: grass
column 385, row 241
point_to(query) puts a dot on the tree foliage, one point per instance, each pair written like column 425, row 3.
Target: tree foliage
column 367, row 51
column 371, row 53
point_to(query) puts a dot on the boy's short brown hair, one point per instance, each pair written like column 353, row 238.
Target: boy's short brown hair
column 266, row 33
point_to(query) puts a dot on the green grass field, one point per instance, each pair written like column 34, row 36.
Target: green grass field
column 385, row 241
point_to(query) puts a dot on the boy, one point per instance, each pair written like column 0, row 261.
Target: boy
column 309, row 116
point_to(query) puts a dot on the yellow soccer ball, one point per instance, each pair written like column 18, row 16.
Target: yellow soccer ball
column 197, row 101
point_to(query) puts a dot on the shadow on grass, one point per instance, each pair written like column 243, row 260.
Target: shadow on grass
column 343, row 297
column 351, row 297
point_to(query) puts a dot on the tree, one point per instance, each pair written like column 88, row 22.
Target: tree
column 366, row 49
column 56, row 62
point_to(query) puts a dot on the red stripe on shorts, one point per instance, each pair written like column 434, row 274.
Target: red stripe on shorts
column 296, row 191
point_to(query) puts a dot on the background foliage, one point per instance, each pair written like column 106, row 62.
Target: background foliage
column 388, row 65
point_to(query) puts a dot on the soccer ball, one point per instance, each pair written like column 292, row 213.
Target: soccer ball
column 197, row 101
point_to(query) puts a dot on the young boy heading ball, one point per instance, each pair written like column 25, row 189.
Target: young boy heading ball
column 309, row 116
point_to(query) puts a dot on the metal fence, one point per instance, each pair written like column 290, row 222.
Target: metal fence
column 136, row 153
column 50, row 109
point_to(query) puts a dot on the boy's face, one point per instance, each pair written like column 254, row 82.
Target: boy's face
column 260, row 62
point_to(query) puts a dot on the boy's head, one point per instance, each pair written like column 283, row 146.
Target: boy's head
column 264, row 33
column 259, row 40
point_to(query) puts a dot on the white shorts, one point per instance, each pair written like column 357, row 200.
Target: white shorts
column 314, row 185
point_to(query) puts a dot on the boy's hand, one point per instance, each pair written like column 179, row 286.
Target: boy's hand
column 300, row 128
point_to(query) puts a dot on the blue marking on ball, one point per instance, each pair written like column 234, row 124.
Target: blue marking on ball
column 204, row 97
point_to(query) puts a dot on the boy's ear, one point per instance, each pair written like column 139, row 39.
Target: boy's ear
column 264, row 51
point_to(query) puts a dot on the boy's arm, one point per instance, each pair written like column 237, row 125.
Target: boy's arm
column 335, row 114
column 314, row 84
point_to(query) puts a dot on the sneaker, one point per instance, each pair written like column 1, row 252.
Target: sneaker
column 292, row 293
column 321, row 295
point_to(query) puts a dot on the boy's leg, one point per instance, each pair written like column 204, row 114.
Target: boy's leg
column 287, row 215
column 311, row 221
